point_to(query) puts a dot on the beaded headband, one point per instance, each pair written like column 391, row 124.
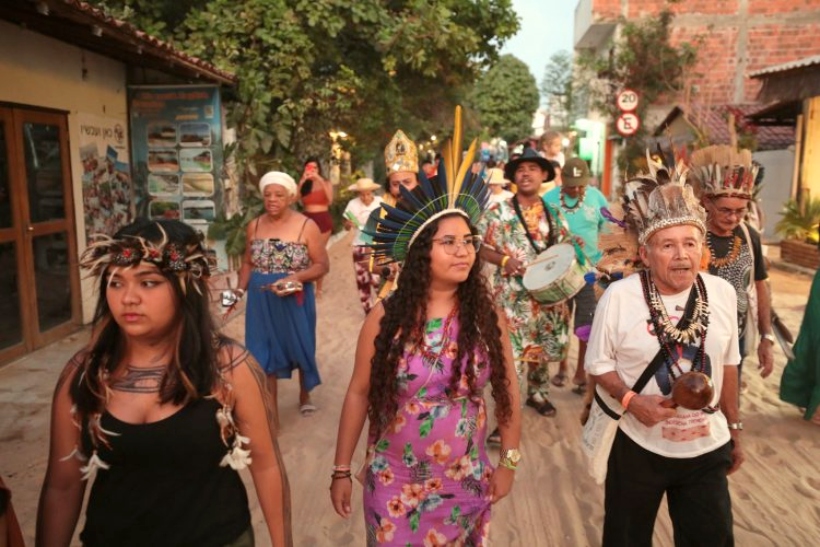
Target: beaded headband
column 455, row 190
column 129, row 251
column 722, row 171
column 661, row 199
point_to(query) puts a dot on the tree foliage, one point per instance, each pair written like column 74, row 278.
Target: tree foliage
column 308, row 66
column 642, row 59
column 559, row 88
column 505, row 99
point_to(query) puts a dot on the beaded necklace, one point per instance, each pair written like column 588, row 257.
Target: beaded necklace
column 578, row 203
column 694, row 322
column 731, row 256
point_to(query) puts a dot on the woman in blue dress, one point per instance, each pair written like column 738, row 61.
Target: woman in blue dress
column 284, row 255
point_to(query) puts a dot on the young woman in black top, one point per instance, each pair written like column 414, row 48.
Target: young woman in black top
column 160, row 409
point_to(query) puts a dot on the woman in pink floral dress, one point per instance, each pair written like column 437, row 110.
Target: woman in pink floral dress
column 423, row 359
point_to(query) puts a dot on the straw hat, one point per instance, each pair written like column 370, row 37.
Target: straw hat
column 496, row 176
column 363, row 185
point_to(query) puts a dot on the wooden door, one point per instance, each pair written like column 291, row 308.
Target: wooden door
column 39, row 279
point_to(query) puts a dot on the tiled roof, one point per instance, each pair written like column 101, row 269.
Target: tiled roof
column 713, row 120
column 799, row 63
column 81, row 24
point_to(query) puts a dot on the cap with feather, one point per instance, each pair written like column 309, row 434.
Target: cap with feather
column 455, row 190
column 722, row 171
column 660, row 199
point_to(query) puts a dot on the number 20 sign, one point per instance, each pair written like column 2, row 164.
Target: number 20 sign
column 627, row 100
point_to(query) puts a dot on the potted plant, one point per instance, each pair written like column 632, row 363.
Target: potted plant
column 799, row 228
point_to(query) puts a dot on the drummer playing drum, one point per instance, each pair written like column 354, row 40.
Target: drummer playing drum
column 516, row 230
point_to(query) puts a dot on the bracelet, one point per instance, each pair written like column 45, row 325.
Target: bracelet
column 627, row 399
column 240, row 291
column 504, row 462
column 768, row 336
column 737, row 426
column 341, row 468
column 504, row 261
column 340, row 475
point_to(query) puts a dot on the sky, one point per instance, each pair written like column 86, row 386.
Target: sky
column 546, row 27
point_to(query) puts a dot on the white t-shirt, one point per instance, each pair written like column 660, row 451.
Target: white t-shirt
column 361, row 212
column 622, row 340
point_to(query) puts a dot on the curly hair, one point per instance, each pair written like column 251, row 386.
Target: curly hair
column 193, row 370
column 406, row 311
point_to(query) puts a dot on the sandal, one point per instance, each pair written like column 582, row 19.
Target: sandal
column 580, row 389
column 494, row 438
column 559, row 379
column 307, row 410
column 544, row 408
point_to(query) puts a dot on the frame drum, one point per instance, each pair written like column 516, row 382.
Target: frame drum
column 555, row 275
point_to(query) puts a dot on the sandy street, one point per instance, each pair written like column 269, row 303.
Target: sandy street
column 776, row 495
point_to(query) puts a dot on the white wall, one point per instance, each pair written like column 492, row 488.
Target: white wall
column 42, row 72
column 776, row 190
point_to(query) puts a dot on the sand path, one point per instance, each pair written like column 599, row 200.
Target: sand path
column 776, row 494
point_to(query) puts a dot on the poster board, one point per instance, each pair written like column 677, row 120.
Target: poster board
column 176, row 147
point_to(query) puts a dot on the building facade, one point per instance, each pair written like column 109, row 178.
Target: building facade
column 65, row 68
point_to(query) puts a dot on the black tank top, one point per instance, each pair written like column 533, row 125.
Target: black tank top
column 165, row 486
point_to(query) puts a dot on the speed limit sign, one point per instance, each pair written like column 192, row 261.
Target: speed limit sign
column 627, row 100
column 627, row 124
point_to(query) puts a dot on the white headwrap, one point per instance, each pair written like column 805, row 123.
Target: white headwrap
column 280, row 178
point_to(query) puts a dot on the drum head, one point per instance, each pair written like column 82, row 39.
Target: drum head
column 549, row 266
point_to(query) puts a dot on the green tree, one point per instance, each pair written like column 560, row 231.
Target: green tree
column 641, row 59
column 305, row 67
column 505, row 99
column 558, row 87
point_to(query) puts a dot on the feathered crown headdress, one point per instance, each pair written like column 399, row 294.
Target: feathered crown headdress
column 723, row 171
column 660, row 199
column 401, row 154
column 128, row 251
column 455, row 190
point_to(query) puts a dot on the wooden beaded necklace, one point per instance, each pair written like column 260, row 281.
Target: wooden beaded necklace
column 693, row 324
column 731, row 256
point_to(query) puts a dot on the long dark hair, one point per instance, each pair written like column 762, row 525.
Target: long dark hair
column 194, row 365
column 406, row 310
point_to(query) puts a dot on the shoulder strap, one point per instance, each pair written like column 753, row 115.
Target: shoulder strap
column 747, row 236
column 523, row 222
column 299, row 237
column 653, row 366
column 256, row 226
column 553, row 220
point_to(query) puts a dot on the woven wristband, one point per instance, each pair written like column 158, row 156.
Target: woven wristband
column 627, row 399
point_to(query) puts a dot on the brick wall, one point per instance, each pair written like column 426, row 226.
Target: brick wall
column 738, row 36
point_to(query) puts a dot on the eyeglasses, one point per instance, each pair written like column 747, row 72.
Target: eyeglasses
column 451, row 245
column 726, row 212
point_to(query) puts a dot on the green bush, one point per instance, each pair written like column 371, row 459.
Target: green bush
column 800, row 222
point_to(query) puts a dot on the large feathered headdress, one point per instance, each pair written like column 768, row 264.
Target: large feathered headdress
column 722, row 171
column 455, row 190
column 659, row 199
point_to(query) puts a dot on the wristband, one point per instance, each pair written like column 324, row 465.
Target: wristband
column 738, row 426
column 504, row 261
column 627, row 399
column 241, row 292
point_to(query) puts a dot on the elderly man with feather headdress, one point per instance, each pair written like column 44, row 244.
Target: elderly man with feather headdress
column 724, row 180
column 664, row 352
